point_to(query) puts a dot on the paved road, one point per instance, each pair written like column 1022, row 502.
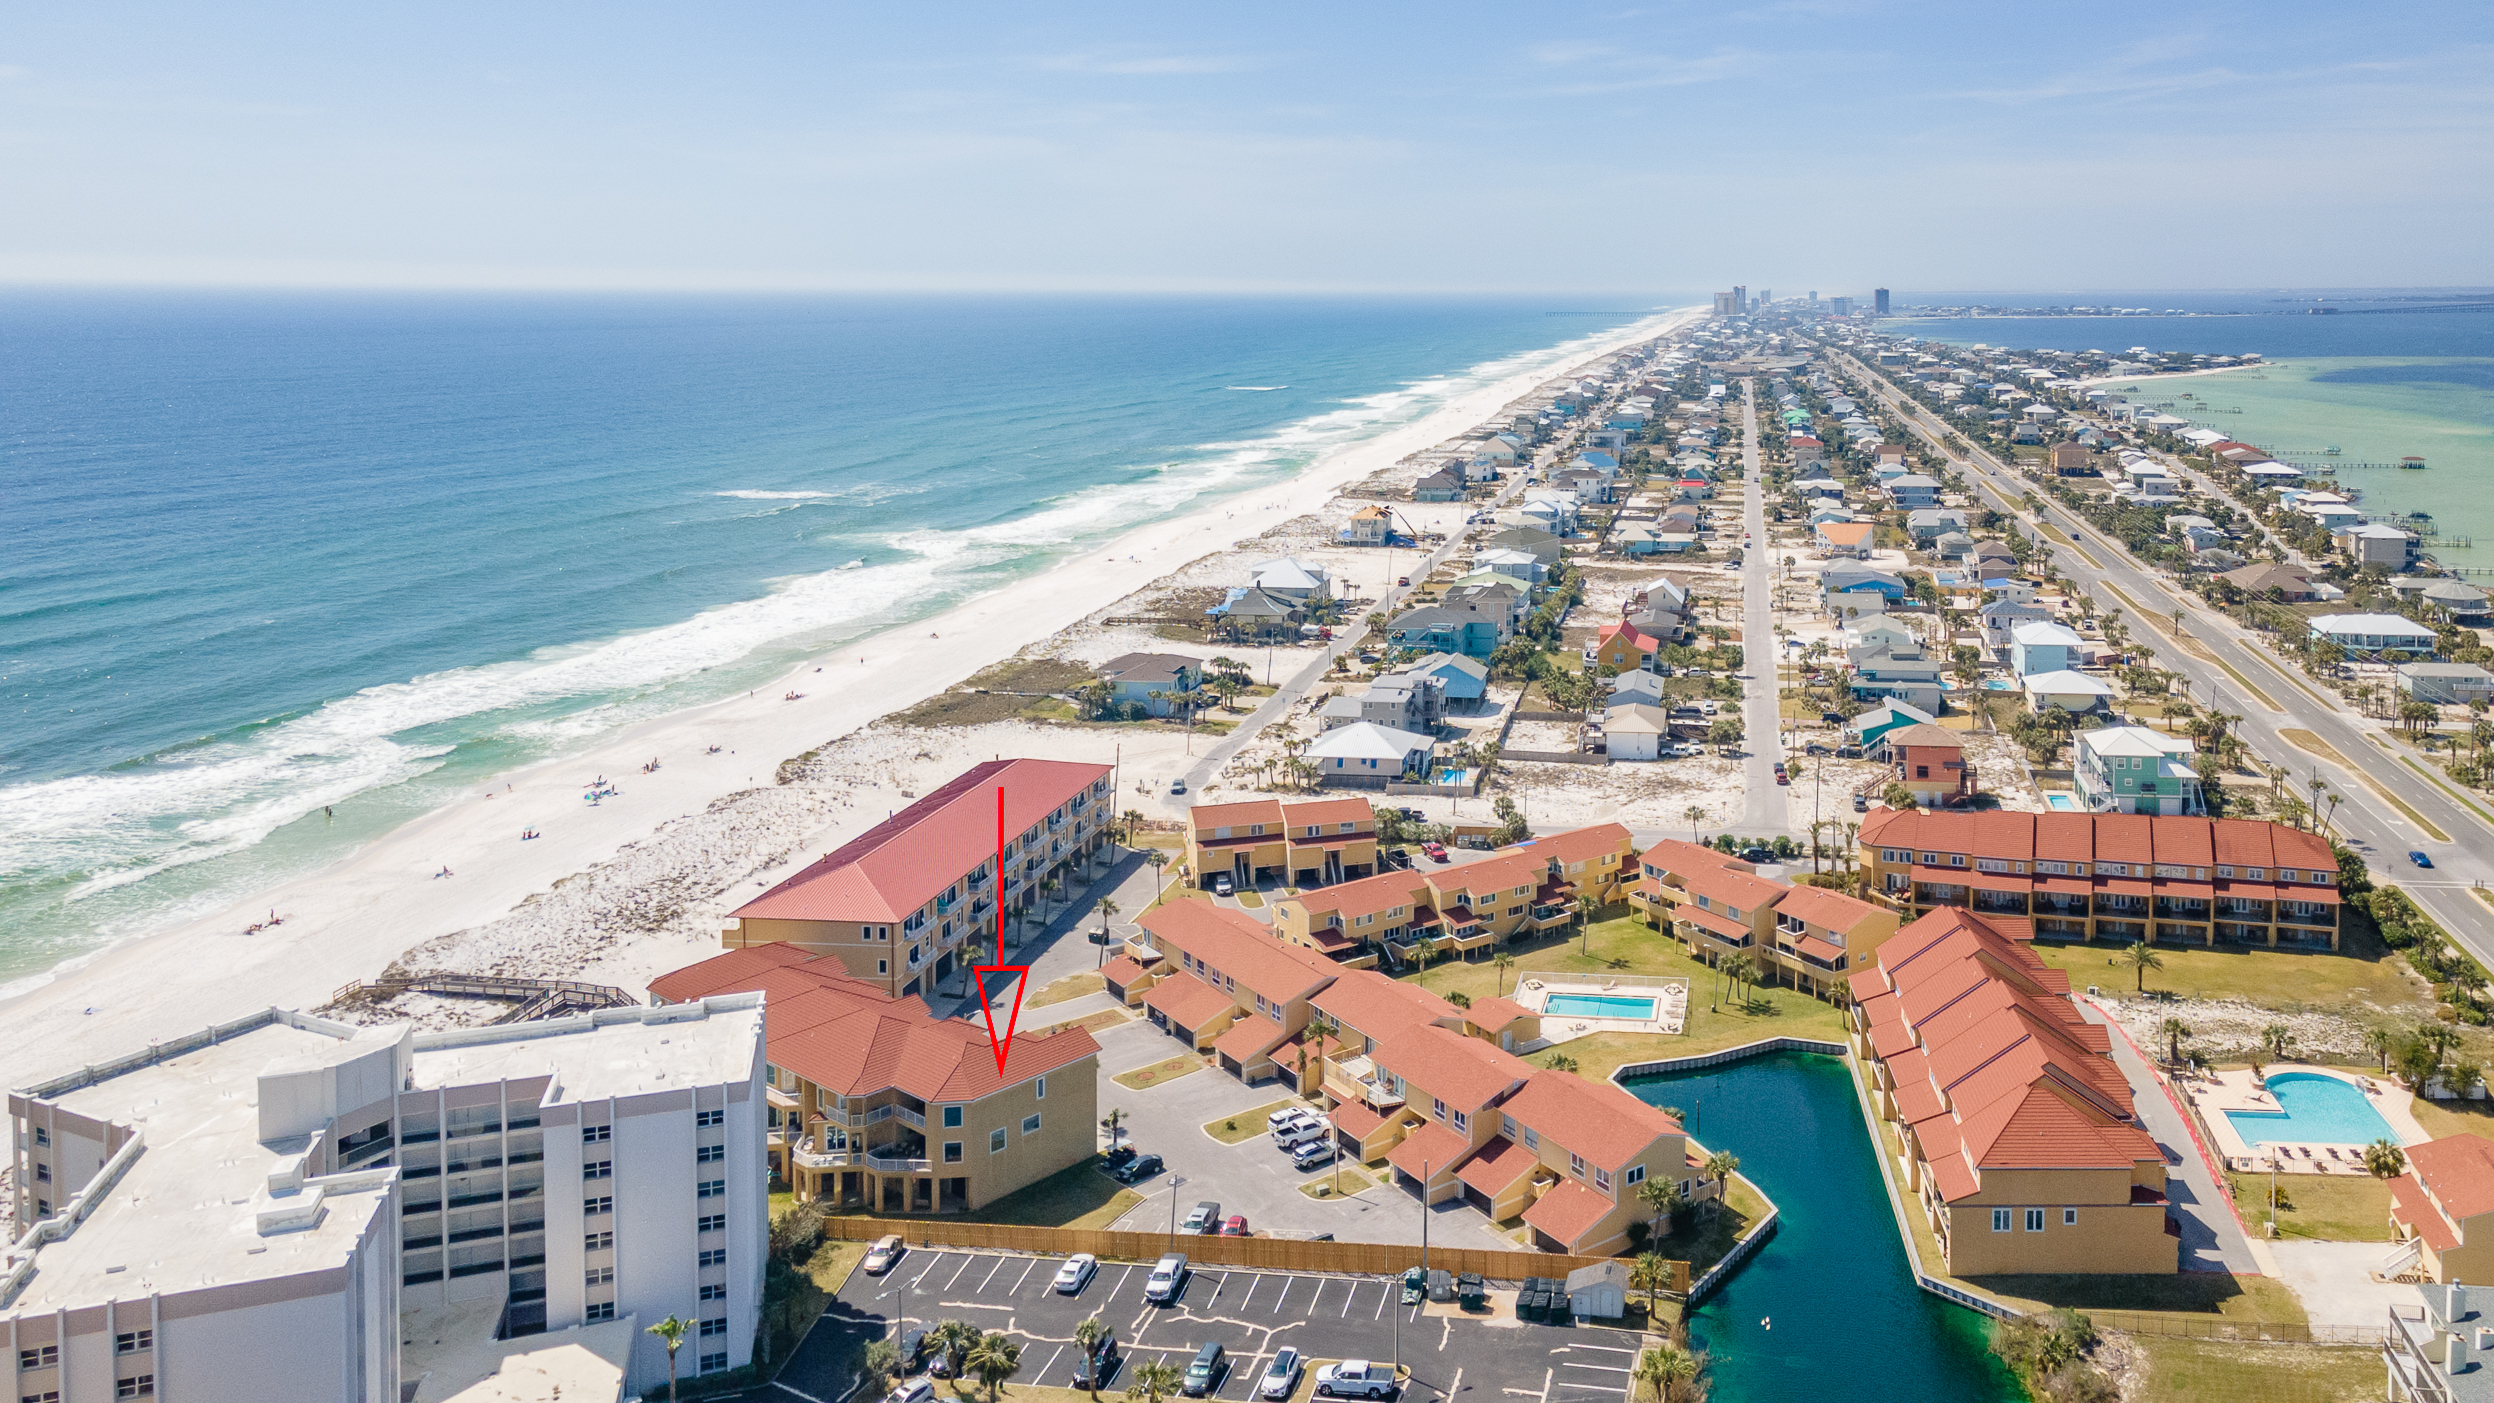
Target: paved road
column 2212, row 1240
column 1763, row 812
column 2364, row 821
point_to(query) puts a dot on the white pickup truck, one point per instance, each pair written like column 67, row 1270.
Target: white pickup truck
column 1355, row 1378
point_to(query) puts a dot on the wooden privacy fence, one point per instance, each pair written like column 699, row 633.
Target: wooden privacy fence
column 1269, row 1253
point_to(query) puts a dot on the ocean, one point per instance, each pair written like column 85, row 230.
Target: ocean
column 2388, row 376
column 280, row 572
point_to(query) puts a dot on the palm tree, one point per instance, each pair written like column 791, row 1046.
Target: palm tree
column 1695, row 814
column 2381, row 1040
column 1106, row 908
column 1585, row 906
column 673, row 1329
column 2175, row 1030
column 2142, row 957
column 1720, row 1167
column 1424, row 949
column 996, row 1359
column 876, row 1367
column 1667, row 1365
column 1157, row 858
column 2384, row 1160
column 1087, row 1337
column 954, row 1339
column 1502, row 960
column 1154, row 1381
column 2277, row 1037
column 1660, row 1195
column 1116, row 1117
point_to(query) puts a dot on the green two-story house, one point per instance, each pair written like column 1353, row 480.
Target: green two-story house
column 2134, row 770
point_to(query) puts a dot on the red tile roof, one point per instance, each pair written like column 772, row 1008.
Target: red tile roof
column 1358, row 1121
column 1466, row 1073
column 1366, row 896
column 1429, row 1151
column 901, row 864
column 1240, row 947
column 2410, row 1205
column 854, row 1040
column 1372, row 1005
column 717, row 972
column 2131, row 839
column 1676, row 855
column 1493, row 1013
column 1567, row 1211
column 1725, row 887
column 1246, row 813
column 1122, row 971
column 1828, row 910
column 1496, row 1166
column 1188, row 1002
column 1249, row 1039
column 2459, row 1170
column 1598, row 1122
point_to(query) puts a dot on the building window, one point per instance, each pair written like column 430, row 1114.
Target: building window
column 598, row 1276
column 597, row 1241
column 1463, row 1124
column 133, row 1341
column 1043, row 1089
column 596, row 1134
column 714, row 1326
column 709, row 1154
column 1532, row 1138
column 599, row 1310
column 1576, row 1165
column 2069, row 1217
column 996, row 1141
column 2000, row 1220
column 143, row 1386
column 715, row 1291
column 1437, row 1108
column 43, row 1174
column 952, row 1152
column 1602, row 1180
column 714, row 1257
column 1506, row 1126
column 713, row 1188
column 42, row 1358
column 2034, row 1220
column 883, row 966
column 703, row 1120
column 952, row 1117
column 49, row 1395
column 1030, row 1125
column 598, row 1169
column 1635, row 1175
column 713, row 1363
column 594, row 1206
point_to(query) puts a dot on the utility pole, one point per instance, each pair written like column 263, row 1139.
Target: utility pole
column 1175, row 1182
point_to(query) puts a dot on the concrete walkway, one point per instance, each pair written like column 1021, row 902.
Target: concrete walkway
column 2334, row 1282
column 2212, row 1240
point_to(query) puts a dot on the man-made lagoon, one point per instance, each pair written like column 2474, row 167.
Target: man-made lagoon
column 1828, row 1307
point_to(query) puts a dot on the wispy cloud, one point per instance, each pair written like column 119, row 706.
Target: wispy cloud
column 1140, row 65
column 1604, row 68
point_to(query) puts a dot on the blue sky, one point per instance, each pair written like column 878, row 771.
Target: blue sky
column 1420, row 147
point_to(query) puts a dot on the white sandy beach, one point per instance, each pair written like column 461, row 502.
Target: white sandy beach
column 352, row 919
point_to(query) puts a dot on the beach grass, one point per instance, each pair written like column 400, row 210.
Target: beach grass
column 2362, row 979
column 2225, row 1371
column 2174, row 1301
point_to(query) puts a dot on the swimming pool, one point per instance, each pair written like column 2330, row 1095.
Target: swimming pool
column 1597, row 1006
column 2312, row 1109
column 2061, row 803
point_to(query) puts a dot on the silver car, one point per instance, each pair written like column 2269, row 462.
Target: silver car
column 1076, row 1273
column 1281, row 1377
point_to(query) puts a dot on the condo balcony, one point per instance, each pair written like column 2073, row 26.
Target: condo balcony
column 1352, row 1075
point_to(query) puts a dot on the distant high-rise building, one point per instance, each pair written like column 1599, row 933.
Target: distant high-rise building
column 1814, row 299
column 1727, row 303
column 1765, row 297
column 1740, row 299
column 1879, row 299
column 1843, row 305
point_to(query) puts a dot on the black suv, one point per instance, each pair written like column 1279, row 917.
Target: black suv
column 1140, row 1167
column 1092, row 1371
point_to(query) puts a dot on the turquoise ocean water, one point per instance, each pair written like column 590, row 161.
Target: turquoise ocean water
column 2386, row 377
column 266, row 554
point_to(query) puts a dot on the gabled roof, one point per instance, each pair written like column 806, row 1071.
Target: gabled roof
column 1596, row 1121
column 903, row 863
column 1828, row 910
column 1466, row 1073
column 1567, row 1212
column 2459, row 1171
column 1375, row 1006
column 1239, row 946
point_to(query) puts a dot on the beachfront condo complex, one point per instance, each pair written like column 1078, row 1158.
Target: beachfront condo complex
column 1297, row 842
column 912, row 901
column 1718, row 905
column 287, row 1207
column 875, row 1103
column 2018, row 1132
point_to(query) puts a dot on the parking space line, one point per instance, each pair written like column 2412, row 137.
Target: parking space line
column 1025, row 1276
column 991, row 1273
column 1382, row 1297
column 1605, row 1368
column 1216, row 1288
column 1346, row 1299
column 1606, row 1349
column 1252, row 1283
column 966, row 1260
column 1121, row 1282
column 1287, row 1283
column 801, row 1393
column 1050, row 1371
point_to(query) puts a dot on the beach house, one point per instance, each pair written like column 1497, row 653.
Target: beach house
column 1249, row 612
column 1930, row 523
column 2374, row 635
column 1930, row 761
column 1913, row 490
column 1298, row 842
column 2135, row 770
column 875, row 1103
column 899, row 903
column 1466, row 680
column 2445, row 684
column 1879, row 673
column 1843, row 539
column 1369, row 526
column 1621, row 647
column 1156, row 684
column 2041, row 645
column 1369, row 756
column 1288, row 577
column 1468, row 628
column 2378, row 543
column 1634, row 730
column 1717, row 905
column 2065, row 691
column 2021, row 1137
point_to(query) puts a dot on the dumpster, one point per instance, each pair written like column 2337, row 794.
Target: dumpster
column 1470, row 1291
column 1415, row 1286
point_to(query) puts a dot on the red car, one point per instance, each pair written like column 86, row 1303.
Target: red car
column 1436, row 851
column 1236, row 1227
column 1781, row 777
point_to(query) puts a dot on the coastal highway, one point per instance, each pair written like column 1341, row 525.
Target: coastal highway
column 2388, row 800
column 1764, row 812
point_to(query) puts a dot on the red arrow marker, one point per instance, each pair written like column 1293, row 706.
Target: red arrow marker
column 1021, row 979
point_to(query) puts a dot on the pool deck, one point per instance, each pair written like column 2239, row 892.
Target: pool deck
column 1670, row 996
column 2218, row 1093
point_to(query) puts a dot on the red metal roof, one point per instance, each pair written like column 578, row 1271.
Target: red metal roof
column 1188, row 1002
column 2459, row 1169
column 901, row 864
column 1596, row 1121
column 1429, row 1151
column 1496, row 1166
column 1466, row 1073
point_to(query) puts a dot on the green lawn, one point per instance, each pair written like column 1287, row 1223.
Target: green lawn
column 1710, row 1234
column 1072, row 986
column 1231, row 1130
column 1626, row 945
column 1166, row 1070
column 2440, row 1118
column 2359, row 979
column 2327, row 1207
column 2197, row 1297
column 1076, row 1197
column 2216, row 1371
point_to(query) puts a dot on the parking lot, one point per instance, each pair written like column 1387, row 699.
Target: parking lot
column 1251, row 1314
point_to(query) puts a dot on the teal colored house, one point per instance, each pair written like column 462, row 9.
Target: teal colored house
column 1151, row 680
column 1467, row 629
column 1870, row 726
column 1466, row 679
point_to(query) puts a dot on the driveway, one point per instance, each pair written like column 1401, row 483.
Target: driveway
column 2334, row 1282
column 2212, row 1239
column 1251, row 1177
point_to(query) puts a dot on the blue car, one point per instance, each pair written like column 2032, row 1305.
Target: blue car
column 2419, row 858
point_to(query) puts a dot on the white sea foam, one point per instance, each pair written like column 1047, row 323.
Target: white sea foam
column 1260, row 389
column 132, row 822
